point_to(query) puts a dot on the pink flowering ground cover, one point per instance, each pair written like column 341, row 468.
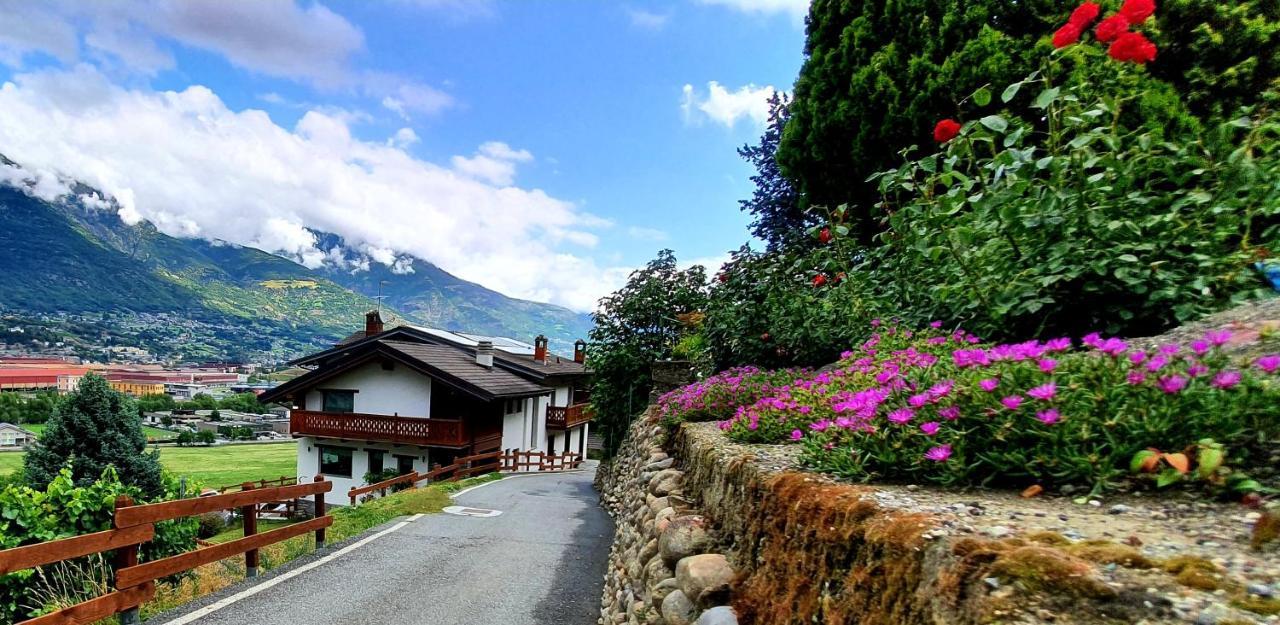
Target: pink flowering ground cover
column 944, row 407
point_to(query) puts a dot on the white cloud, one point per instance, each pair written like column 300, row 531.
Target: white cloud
column 647, row 20
column 405, row 97
column 274, row 37
column 726, row 107
column 403, row 138
column 495, row 163
column 194, row 167
column 797, row 9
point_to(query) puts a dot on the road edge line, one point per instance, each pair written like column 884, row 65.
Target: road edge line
column 193, row 616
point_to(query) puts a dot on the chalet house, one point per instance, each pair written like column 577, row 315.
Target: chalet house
column 412, row 398
column 14, row 437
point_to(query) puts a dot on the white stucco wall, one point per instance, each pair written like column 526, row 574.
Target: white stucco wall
column 561, row 396
column 401, row 391
column 309, row 463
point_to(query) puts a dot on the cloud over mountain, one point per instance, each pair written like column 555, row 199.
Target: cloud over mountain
column 193, row 166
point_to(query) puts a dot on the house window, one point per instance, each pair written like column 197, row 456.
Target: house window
column 514, row 405
column 8, row 439
column 335, row 461
column 375, row 460
column 338, row 401
column 404, row 464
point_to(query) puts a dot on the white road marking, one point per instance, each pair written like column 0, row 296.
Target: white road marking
column 465, row 511
column 249, row 592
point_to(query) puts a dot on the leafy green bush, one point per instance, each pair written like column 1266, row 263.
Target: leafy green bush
column 64, row 509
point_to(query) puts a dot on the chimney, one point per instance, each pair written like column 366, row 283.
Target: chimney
column 372, row 323
column 579, row 351
column 540, row 348
column 484, row 354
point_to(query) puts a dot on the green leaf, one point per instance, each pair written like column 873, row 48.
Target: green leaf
column 1208, row 461
column 1128, row 258
column 1168, row 477
column 1045, row 98
column 1010, row 92
column 982, row 97
column 995, row 123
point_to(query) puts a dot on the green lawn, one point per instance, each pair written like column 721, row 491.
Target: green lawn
column 213, row 466
column 152, row 433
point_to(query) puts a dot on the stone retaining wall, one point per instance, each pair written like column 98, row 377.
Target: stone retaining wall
column 709, row 532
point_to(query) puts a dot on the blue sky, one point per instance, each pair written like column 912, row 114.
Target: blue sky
column 539, row 148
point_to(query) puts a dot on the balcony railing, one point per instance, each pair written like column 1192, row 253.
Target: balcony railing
column 376, row 427
column 564, row 417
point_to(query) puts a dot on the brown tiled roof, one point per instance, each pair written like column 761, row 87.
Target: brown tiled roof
column 555, row 365
column 351, row 338
column 461, row 366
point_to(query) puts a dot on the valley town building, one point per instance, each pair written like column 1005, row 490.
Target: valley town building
column 412, row 398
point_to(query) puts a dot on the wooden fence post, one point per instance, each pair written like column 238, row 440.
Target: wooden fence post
column 249, row 513
column 126, row 557
column 319, row 498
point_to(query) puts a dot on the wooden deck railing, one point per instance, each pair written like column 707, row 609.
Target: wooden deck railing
column 563, row 417
column 376, row 427
column 135, row 524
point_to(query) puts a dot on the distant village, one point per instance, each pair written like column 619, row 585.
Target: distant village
column 195, row 390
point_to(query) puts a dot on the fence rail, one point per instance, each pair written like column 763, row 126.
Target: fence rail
column 467, row 466
column 135, row 524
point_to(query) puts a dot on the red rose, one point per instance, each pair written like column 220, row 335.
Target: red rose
column 840, row 277
column 1137, row 11
column 1084, row 14
column 765, row 337
column 819, row 280
column 1067, row 35
column 1112, row 27
column 946, row 130
column 1133, row 48
column 825, row 235
column 724, row 277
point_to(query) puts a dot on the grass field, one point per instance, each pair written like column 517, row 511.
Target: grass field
column 152, row 433
column 212, row 466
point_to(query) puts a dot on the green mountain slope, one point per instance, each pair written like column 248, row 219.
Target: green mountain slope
column 442, row 300
column 76, row 256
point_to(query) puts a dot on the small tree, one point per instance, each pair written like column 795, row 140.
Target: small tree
column 215, row 416
column 93, row 428
column 186, row 439
column 635, row 326
column 206, row 437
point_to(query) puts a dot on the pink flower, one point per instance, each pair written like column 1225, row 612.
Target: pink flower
column 818, row 426
column 1268, row 363
column 1047, row 365
column 1157, row 363
column 989, row 384
column 1218, row 337
column 930, row 428
column 1136, row 377
column 796, row 435
column 1169, row 349
column 918, row 401
column 1200, row 348
column 1226, row 379
column 1012, row 402
column 939, row 453
column 1197, row 370
column 941, row 389
column 950, row 413
column 935, row 324
column 1172, row 384
column 902, row 415
column 1049, row 417
column 1044, row 392
column 1058, row 344
column 1137, row 357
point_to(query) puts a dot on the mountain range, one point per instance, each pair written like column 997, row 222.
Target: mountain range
column 74, row 255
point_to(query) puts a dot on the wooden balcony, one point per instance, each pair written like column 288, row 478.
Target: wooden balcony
column 565, row 417
column 375, row 427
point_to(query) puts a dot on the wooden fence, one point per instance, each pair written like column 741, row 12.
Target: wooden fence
column 467, row 466
column 287, row 508
column 135, row 524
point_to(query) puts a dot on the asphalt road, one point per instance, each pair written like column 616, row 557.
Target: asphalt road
column 541, row 561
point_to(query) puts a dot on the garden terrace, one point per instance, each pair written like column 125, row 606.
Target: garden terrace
column 812, row 549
